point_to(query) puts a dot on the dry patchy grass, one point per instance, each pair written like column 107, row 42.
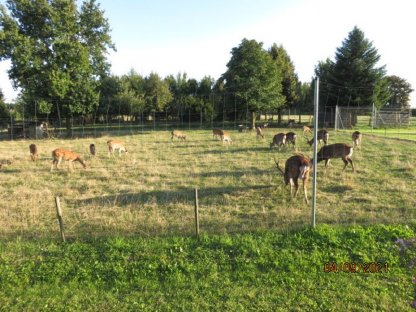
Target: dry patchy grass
column 149, row 191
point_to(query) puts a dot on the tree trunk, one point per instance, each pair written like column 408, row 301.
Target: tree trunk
column 253, row 120
column 279, row 117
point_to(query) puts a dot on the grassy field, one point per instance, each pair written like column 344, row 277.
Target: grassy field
column 129, row 223
column 265, row 271
column 149, row 191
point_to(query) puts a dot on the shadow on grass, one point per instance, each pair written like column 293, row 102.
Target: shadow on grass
column 337, row 189
column 161, row 197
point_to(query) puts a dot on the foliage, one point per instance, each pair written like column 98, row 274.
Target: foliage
column 258, row 271
column 400, row 91
column 57, row 52
column 254, row 78
column 353, row 79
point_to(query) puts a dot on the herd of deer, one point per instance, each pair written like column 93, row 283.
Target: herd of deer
column 297, row 167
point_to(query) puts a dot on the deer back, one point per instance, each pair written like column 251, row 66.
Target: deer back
column 337, row 150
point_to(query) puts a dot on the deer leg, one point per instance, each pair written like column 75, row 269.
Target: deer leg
column 352, row 164
column 53, row 164
column 326, row 162
column 296, row 187
column 291, row 186
column 58, row 163
column 304, row 190
column 344, row 159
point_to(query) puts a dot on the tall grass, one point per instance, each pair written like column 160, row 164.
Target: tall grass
column 149, row 191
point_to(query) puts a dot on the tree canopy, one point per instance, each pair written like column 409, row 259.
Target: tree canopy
column 254, row 78
column 57, row 52
column 354, row 78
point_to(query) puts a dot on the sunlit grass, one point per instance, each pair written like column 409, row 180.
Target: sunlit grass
column 149, row 191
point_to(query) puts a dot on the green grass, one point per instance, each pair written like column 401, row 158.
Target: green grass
column 263, row 271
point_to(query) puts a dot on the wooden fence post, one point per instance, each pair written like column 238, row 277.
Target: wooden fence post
column 59, row 215
column 196, row 213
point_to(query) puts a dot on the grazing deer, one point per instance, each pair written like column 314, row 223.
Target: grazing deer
column 306, row 130
column 296, row 167
column 60, row 154
column 356, row 139
column 92, row 150
column 33, row 152
column 337, row 150
column 114, row 145
column 291, row 123
column 178, row 134
column 323, row 136
column 291, row 139
column 259, row 132
column 217, row 133
column 225, row 138
column 278, row 140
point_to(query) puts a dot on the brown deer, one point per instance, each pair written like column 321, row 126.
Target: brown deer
column 33, row 152
column 356, row 139
column 323, row 136
column 178, row 134
column 217, row 133
column 114, row 145
column 337, row 150
column 259, row 132
column 60, row 154
column 291, row 139
column 92, row 150
column 296, row 167
column 306, row 130
column 225, row 138
column 278, row 140
column 5, row 162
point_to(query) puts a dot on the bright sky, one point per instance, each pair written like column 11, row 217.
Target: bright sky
column 196, row 37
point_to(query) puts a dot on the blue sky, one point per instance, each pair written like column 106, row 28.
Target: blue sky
column 196, row 37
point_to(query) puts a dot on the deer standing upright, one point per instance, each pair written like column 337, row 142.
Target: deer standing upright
column 33, row 152
column 356, row 139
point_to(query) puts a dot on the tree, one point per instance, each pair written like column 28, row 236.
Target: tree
column 254, row 78
column 400, row 91
column 290, row 81
column 353, row 79
column 157, row 93
column 57, row 52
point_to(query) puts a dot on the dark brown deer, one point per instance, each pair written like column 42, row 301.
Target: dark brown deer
column 337, row 150
column 217, row 133
column 296, row 167
column 356, row 139
column 33, row 152
column 323, row 136
column 278, row 140
column 291, row 139
column 92, row 150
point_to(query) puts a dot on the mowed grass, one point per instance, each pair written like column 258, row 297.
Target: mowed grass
column 150, row 190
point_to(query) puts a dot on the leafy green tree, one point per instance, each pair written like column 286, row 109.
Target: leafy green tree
column 157, row 93
column 353, row 79
column 400, row 91
column 57, row 52
column 254, row 78
column 290, row 81
column 4, row 111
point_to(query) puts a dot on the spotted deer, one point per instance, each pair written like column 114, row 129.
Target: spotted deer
column 337, row 150
column 259, row 132
column 291, row 139
column 306, row 130
column 217, row 133
column 116, row 145
column 226, row 138
column 279, row 140
column 323, row 136
column 356, row 139
column 60, row 154
column 296, row 167
column 178, row 134
column 33, row 152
